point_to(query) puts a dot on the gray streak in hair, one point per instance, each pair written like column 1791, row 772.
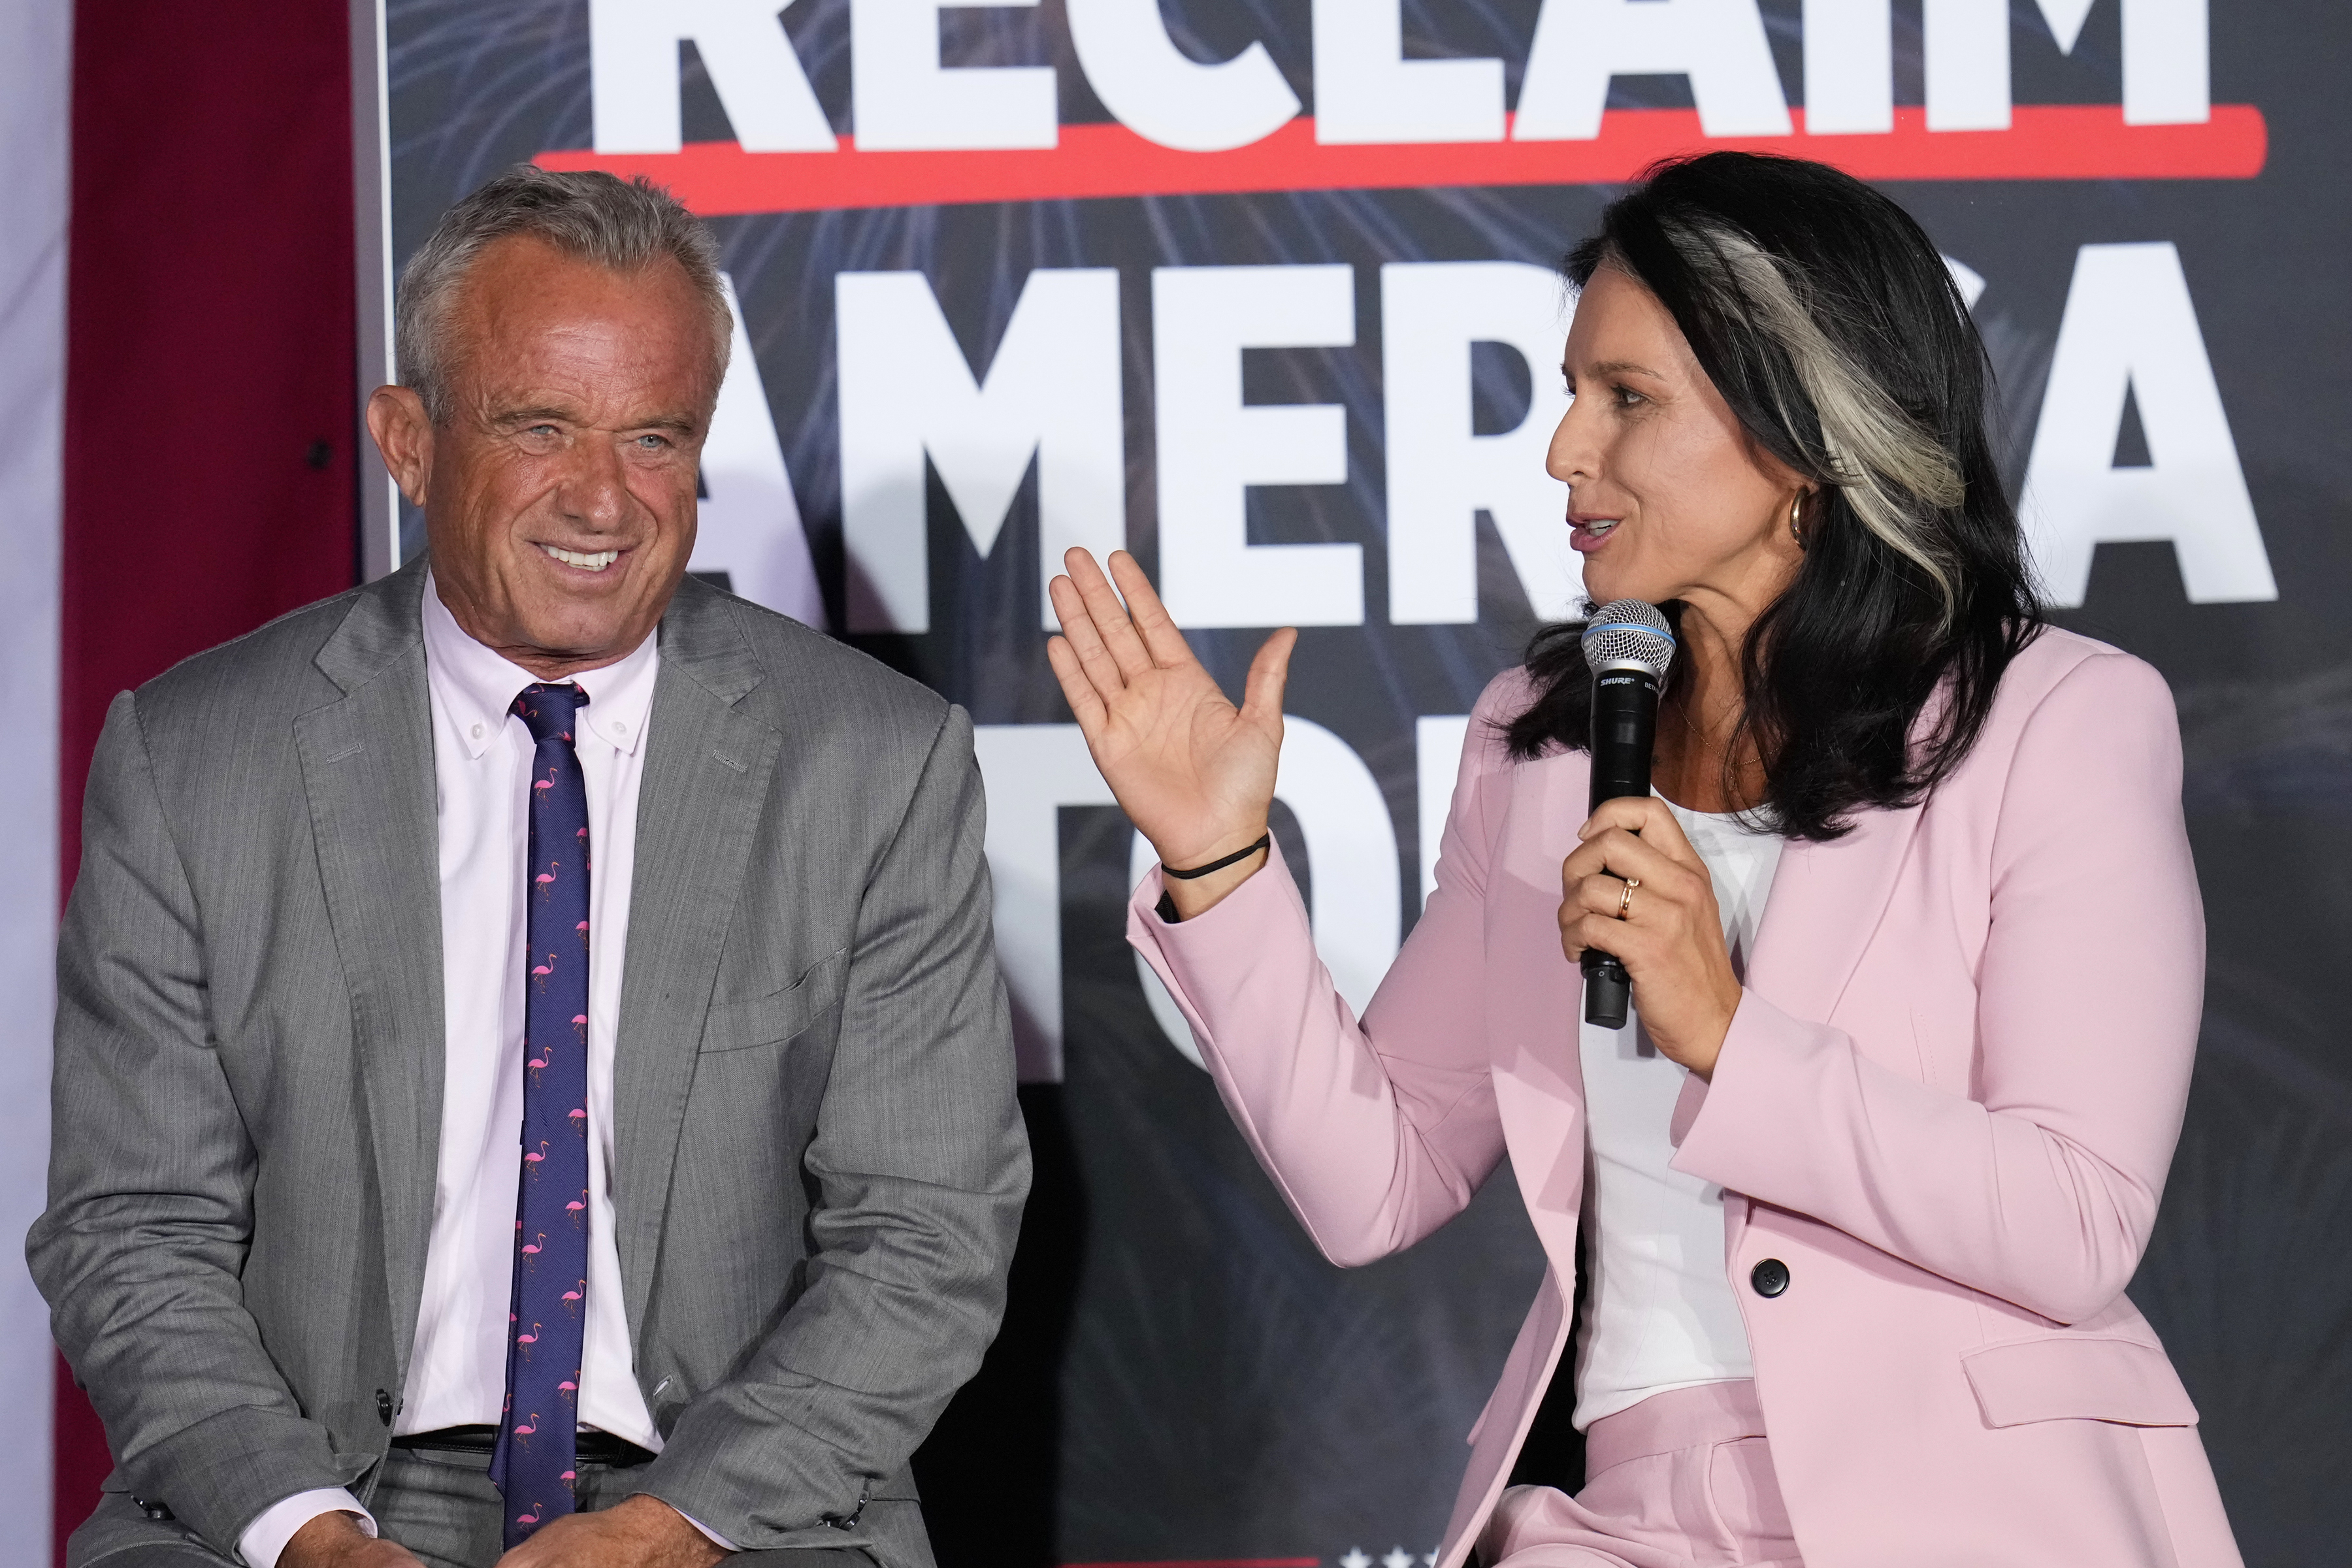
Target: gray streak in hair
column 1876, row 454
column 623, row 227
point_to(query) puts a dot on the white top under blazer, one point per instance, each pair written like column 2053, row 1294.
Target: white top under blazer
column 1660, row 1311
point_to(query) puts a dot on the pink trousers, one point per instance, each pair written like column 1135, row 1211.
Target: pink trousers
column 1683, row 1479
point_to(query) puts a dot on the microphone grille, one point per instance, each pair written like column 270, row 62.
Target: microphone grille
column 1628, row 633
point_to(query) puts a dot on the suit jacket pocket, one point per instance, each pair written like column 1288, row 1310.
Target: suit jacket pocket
column 2063, row 1377
column 778, row 1016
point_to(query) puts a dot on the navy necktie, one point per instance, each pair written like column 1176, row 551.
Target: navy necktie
column 538, row 1430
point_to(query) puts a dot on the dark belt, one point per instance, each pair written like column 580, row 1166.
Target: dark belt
column 595, row 1447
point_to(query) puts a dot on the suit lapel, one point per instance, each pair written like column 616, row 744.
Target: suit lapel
column 367, row 769
column 1825, row 905
column 1539, row 1068
column 707, row 772
column 1826, row 902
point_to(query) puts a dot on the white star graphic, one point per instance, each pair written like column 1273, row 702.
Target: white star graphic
column 1397, row 1557
column 1355, row 1559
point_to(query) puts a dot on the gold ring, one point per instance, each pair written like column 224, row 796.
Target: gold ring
column 1625, row 898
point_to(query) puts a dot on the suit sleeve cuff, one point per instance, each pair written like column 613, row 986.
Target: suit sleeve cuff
column 1736, row 1130
column 716, row 1538
column 264, row 1539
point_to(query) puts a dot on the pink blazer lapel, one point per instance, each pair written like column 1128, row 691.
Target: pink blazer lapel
column 1543, row 1126
column 1826, row 902
column 1533, row 1019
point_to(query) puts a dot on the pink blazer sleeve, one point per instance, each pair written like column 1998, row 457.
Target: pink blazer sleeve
column 1376, row 1133
column 2040, row 1186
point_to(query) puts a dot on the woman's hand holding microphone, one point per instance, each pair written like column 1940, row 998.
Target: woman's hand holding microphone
column 1193, row 772
column 1637, row 890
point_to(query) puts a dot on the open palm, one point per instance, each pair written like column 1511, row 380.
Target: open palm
column 1194, row 773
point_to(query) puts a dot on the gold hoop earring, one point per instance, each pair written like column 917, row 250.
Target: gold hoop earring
column 1796, row 507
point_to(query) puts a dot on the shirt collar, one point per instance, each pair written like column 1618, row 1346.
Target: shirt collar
column 478, row 684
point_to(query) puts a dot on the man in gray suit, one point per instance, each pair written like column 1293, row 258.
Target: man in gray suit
column 532, row 1079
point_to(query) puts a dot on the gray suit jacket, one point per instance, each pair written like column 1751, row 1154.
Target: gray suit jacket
column 818, row 1167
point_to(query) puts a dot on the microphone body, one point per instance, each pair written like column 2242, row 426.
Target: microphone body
column 1628, row 647
column 1625, row 732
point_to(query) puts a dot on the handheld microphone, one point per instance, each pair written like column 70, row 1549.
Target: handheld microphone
column 1628, row 647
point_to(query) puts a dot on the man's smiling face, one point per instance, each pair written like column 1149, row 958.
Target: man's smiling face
column 559, row 486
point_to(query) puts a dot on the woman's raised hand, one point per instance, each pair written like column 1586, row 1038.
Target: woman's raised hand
column 1193, row 772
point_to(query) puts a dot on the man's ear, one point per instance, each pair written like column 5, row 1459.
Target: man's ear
column 403, row 434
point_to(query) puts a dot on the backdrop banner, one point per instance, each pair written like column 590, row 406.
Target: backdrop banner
column 1265, row 291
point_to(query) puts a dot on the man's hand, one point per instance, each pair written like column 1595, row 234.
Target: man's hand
column 336, row 1541
column 642, row 1531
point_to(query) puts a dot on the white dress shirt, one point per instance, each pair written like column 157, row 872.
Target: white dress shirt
column 481, row 767
column 1660, row 1311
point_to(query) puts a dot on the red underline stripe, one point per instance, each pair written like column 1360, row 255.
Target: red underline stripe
column 1209, row 1563
column 2044, row 141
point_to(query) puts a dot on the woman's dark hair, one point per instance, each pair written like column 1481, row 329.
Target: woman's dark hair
column 1827, row 319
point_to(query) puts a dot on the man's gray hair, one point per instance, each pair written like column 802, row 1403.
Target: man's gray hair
column 622, row 226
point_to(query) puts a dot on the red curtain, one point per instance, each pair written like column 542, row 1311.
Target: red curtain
column 210, row 419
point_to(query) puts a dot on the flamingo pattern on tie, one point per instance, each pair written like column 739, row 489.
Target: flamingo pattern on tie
column 538, row 1430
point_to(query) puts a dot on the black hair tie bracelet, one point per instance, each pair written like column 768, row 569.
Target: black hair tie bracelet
column 1235, row 858
column 1166, row 908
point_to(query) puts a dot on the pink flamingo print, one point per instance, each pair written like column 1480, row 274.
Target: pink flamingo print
column 582, row 929
column 540, row 972
column 577, row 1114
column 570, row 1297
column 566, row 1477
column 529, row 1338
column 545, row 880
column 567, row 1387
column 533, row 1249
column 580, row 1026
column 531, row 1518
column 525, row 1428
column 533, row 1158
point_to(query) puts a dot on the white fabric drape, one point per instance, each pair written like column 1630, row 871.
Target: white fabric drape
column 35, row 43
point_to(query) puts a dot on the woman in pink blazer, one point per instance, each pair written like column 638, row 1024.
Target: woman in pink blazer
column 1929, row 1096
